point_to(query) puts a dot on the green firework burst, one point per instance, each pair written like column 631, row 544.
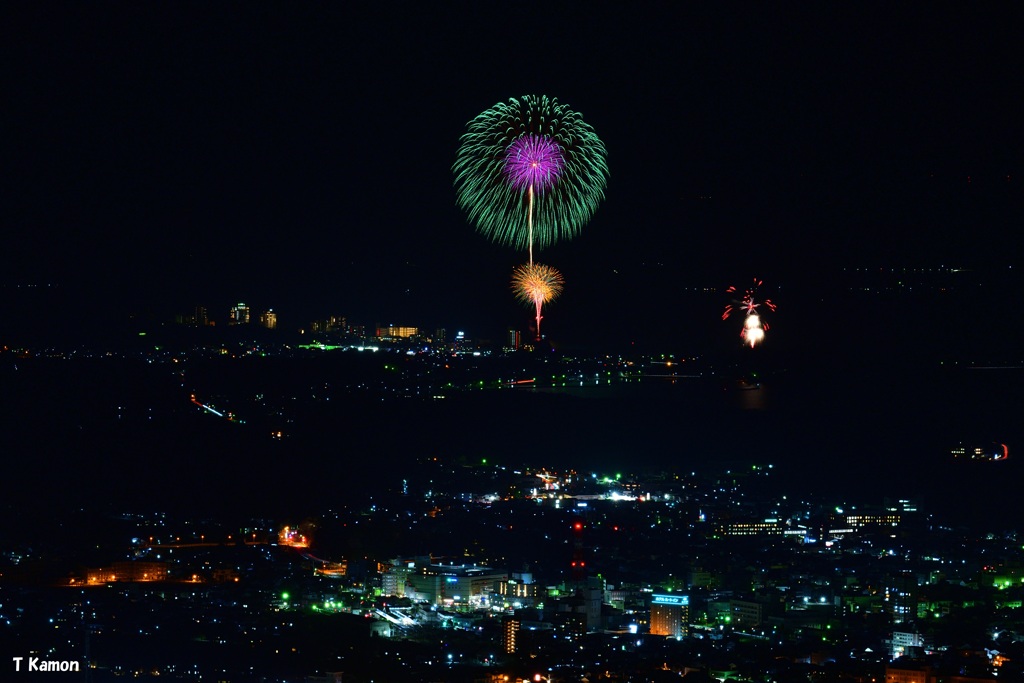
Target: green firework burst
column 499, row 203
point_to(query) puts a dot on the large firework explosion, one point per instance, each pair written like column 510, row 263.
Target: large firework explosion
column 528, row 170
column 536, row 284
column 753, row 327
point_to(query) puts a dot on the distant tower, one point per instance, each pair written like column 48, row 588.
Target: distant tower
column 514, row 340
column 239, row 314
column 579, row 565
column 201, row 319
column 268, row 319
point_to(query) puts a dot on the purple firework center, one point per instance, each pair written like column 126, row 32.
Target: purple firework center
column 534, row 160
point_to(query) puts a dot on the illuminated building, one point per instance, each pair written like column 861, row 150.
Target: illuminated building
column 268, row 319
column 901, row 598
column 397, row 332
column 447, row 584
column 394, row 576
column 847, row 524
column 514, row 340
column 670, row 615
column 239, row 314
column 518, row 591
column 769, row 527
column 510, row 627
column 909, row 643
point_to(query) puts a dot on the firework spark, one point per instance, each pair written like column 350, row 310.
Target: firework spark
column 753, row 332
column 528, row 170
column 753, row 327
column 536, row 284
column 533, row 161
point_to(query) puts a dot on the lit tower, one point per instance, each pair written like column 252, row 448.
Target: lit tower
column 579, row 566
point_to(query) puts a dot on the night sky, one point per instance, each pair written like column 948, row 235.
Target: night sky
column 298, row 156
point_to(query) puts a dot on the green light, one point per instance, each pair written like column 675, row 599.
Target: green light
column 285, row 596
column 484, row 461
column 618, row 476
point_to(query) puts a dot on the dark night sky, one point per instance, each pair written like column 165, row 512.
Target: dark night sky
column 298, row 156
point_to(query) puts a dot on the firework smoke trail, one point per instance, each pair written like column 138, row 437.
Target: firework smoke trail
column 536, row 284
column 535, row 155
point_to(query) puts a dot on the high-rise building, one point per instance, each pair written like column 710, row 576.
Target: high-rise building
column 510, row 634
column 335, row 323
column 514, row 341
column 394, row 576
column 197, row 318
column 901, row 597
column 268, row 319
column 670, row 615
column 239, row 314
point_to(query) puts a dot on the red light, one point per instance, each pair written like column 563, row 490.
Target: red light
column 577, row 526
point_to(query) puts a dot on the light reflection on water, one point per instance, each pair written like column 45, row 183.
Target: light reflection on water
column 871, row 434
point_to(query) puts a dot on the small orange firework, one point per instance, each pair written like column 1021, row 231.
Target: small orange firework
column 537, row 284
